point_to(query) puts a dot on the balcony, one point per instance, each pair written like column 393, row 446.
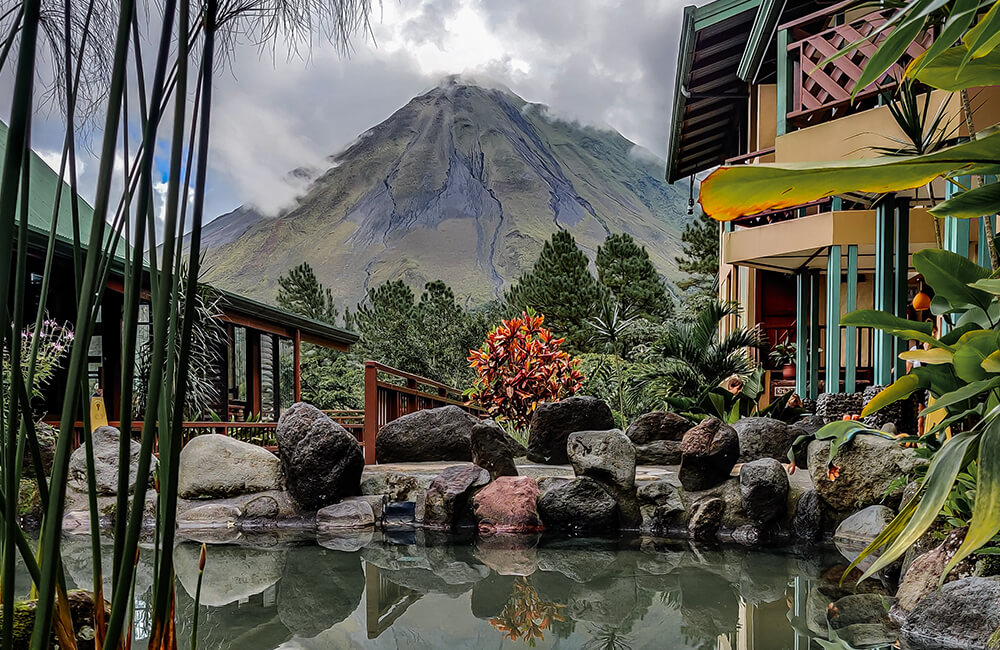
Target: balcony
column 820, row 89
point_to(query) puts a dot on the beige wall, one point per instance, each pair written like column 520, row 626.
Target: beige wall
column 852, row 136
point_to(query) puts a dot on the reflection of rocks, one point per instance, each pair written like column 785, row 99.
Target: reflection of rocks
column 709, row 604
column 319, row 589
column 490, row 595
column 345, row 540
column 509, row 554
column 861, row 620
column 605, row 601
column 232, row 573
column 579, row 560
column 77, row 557
column 427, row 569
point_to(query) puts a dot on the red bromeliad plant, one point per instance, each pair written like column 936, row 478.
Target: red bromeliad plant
column 519, row 366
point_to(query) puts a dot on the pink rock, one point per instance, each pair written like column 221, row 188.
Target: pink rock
column 508, row 504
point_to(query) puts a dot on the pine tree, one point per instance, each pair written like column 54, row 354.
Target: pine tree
column 300, row 292
column 624, row 267
column 387, row 324
column 561, row 287
column 700, row 260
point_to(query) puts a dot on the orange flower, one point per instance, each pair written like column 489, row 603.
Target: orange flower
column 832, row 473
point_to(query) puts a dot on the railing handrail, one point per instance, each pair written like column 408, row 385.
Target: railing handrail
column 749, row 156
column 389, row 370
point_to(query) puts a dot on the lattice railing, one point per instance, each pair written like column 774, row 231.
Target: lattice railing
column 822, row 87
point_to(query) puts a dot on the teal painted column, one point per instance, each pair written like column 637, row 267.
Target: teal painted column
column 851, row 333
column 882, row 342
column 956, row 231
column 900, row 297
column 785, row 85
column 801, row 333
column 833, row 320
column 814, row 340
column 982, row 249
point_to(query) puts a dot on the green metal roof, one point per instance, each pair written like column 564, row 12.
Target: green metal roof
column 708, row 118
column 761, row 35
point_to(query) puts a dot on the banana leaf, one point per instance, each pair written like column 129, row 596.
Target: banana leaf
column 731, row 192
column 946, row 72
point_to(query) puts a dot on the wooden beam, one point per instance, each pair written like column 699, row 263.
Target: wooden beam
column 297, row 354
column 371, row 412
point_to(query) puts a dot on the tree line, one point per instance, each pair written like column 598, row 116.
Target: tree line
column 609, row 319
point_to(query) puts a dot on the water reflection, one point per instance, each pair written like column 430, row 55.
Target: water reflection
column 415, row 590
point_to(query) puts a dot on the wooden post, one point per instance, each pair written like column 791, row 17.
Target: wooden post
column 371, row 412
column 297, row 354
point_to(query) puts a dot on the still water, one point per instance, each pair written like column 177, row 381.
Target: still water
column 411, row 590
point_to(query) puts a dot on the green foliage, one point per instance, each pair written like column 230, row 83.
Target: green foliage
column 700, row 260
column 690, row 361
column 624, row 267
column 300, row 292
column 561, row 286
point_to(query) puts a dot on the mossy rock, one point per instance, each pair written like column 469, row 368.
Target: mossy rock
column 81, row 609
column 29, row 503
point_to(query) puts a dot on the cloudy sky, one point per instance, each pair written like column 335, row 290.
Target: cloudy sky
column 602, row 62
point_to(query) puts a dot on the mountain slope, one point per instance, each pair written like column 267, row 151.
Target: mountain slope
column 462, row 184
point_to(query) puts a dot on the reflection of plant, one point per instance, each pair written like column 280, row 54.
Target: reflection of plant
column 520, row 365
column 607, row 637
column 525, row 617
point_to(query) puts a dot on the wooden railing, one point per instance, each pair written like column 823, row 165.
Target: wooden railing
column 392, row 393
column 821, row 87
column 389, row 394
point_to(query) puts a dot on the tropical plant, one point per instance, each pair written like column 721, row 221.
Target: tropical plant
column 520, row 365
column 783, row 352
column 611, row 327
column 689, row 363
column 51, row 343
column 98, row 54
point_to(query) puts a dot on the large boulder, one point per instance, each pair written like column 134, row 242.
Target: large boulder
column 552, row 422
column 764, row 438
column 493, row 449
column 658, row 425
column 321, row 460
column 579, row 504
column 443, row 433
column 106, row 441
column 869, row 465
column 448, row 502
column 47, row 436
column 764, row 487
column 508, row 505
column 962, row 614
column 608, row 457
column 660, row 505
column 807, row 522
column 708, row 455
column 351, row 513
column 217, row 466
column 706, row 518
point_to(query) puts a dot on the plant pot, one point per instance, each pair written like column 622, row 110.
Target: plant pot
column 788, row 371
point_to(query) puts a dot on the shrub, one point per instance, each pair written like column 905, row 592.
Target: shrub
column 519, row 366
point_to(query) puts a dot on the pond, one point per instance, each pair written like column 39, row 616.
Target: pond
column 411, row 589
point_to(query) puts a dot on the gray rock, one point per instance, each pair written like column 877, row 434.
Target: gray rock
column 448, row 503
column 857, row 531
column 963, row 614
column 807, row 522
column 747, row 535
column 608, row 457
column 396, row 486
column 47, row 436
column 432, row 434
column 210, row 515
column 923, row 574
column 660, row 505
column 322, row 462
column 764, row 488
column 106, row 441
column 834, row 406
column 349, row 513
column 214, row 466
column 552, row 422
column 659, row 452
column 493, row 449
column 580, row 504
column 706, row 518
column 708, row 455
column 764, row 438
column 809, row 424
column 657, row 426
column 868, row 466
